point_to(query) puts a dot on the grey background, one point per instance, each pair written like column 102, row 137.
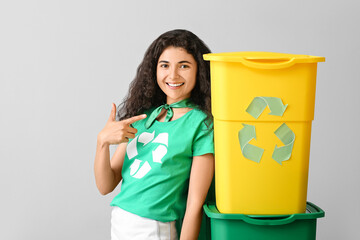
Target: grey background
column 62, row 64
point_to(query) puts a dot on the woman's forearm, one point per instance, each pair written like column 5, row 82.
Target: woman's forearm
column 191, row 224
column 104, row 175
column 200, row 180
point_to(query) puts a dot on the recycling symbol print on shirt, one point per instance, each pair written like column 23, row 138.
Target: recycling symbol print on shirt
column 139, row 168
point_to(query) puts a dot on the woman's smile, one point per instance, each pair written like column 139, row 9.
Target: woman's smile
column 175, row 85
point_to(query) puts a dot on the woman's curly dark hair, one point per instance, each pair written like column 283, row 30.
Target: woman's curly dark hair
column 144, row 92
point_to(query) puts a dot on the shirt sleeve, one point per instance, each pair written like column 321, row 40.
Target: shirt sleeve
column 203, row 140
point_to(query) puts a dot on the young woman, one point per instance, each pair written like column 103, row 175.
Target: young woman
column 165, row 155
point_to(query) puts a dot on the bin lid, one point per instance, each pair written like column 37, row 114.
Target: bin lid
column 264, row 60
column 312, row 212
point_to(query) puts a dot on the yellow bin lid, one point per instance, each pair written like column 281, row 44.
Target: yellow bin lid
column 263, row 60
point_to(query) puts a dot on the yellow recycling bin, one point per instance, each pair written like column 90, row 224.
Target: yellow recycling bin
column 263, row 106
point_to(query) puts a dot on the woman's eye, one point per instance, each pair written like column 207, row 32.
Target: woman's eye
column 184, row 66
column 164, row 65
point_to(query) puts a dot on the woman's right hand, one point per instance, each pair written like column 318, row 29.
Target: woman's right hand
column 116, row 132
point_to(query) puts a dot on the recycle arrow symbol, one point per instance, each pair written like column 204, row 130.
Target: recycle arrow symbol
column 254, row 153
column 246, row 134
column 287, row 137
column 258, row 104
column 284, row 133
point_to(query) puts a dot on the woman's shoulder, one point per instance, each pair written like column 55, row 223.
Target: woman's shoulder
column 199, row 113
column 200, row 117
column 140, row 123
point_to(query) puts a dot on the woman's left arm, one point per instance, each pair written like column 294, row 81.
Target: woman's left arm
column 202, row 172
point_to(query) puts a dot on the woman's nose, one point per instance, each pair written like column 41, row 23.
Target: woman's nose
column 174, row 73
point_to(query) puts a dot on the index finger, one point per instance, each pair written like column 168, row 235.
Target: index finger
column 135, row 119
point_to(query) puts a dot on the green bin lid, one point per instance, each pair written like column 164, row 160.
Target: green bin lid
column 312, row 212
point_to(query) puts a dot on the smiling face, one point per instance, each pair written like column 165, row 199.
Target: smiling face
column 176, row 74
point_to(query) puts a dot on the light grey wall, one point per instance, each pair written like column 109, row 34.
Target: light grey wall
column 62, row 63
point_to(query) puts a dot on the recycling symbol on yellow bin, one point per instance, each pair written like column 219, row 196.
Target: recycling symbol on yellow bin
column 284, row 133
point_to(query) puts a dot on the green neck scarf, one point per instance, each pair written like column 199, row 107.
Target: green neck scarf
column 185, row 103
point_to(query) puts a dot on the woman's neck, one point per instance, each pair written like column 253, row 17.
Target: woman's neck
column 172, row 100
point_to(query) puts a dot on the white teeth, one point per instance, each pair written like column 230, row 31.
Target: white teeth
column 175, row 85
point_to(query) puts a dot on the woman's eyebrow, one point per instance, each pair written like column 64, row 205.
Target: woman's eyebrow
column 185, row 62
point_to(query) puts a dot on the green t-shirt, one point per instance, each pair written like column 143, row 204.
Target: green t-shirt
column 157, row 166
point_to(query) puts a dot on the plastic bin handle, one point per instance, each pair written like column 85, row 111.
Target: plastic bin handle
column 268, row 63
column 269, row 221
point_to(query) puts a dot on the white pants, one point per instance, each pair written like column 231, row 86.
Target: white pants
column 125, row 225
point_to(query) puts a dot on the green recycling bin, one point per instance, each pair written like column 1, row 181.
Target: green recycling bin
column 301, row 226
